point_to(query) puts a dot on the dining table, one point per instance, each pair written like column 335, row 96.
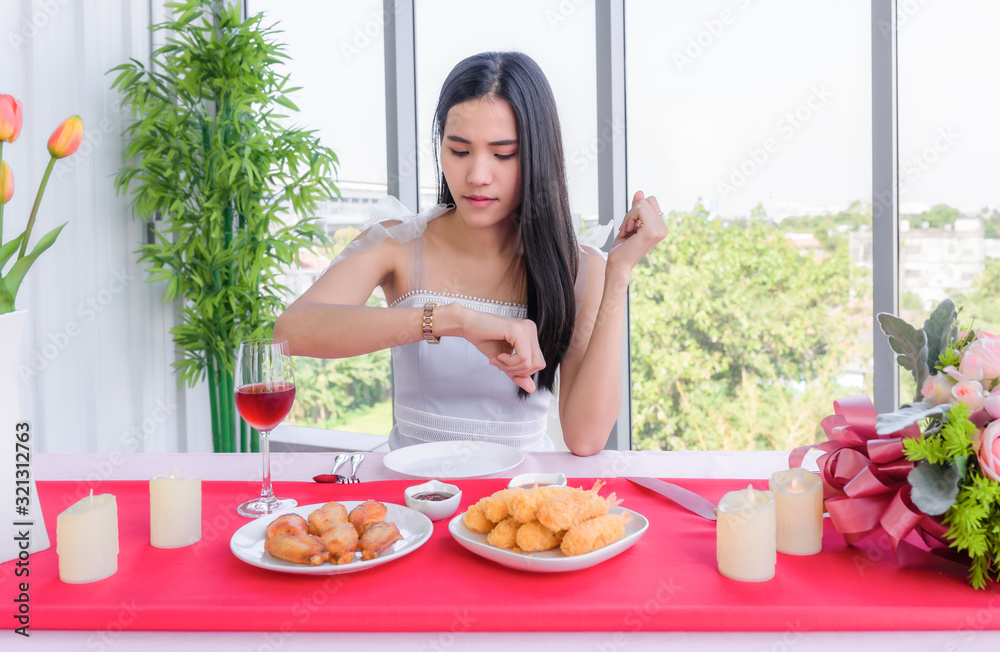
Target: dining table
column 662, row 591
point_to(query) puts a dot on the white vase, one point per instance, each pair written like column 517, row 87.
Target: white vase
column 17, row 482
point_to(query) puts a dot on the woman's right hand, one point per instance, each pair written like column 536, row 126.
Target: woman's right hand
column 511, row 345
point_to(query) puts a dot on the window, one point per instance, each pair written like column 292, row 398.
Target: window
column 754, row 132
column 336, row 50
column 947, row 162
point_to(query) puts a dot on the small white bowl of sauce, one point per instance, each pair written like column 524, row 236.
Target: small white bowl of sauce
column 529, row 480
column 435, row 500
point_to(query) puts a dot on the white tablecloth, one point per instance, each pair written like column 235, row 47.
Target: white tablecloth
column 302, row 466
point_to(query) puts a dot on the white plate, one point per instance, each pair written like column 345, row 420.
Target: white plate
column 453, row 460
column 248, row 541
column 550, row 561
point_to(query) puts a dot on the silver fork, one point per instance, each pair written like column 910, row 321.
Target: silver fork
column 356, row 459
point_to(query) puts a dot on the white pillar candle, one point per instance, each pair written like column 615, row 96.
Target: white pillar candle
column 87, row 539
column 174, row 511
column 745, row 535
column 798, row 502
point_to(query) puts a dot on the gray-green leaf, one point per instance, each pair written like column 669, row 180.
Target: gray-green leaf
column 886, row 424
column 935, row 487
column 938, row 330
column 910, row 346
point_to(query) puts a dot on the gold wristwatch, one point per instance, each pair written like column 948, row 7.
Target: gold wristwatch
column 428, row 325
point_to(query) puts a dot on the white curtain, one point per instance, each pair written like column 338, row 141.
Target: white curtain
column 95, row 372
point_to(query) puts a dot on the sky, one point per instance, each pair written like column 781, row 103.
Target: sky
column 729, row 102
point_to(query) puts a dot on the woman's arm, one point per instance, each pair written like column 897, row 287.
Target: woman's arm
column 330, row 319
column 590, row 373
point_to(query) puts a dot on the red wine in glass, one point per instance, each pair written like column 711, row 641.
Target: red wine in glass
column 265, row 405
column 265, row 391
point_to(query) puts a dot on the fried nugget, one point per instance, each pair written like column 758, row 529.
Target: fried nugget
column 593, row 534
column 535, row 537
column 476, row 521
column 497, row 507
column 571, row 508
column 504, row 534
column 524, row 505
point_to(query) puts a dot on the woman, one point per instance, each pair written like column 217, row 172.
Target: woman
column 489, row 293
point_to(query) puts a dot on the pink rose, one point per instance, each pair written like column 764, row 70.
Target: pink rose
column 972, row 364
column 969, row 393
column 992, row 404
column 987, row 349
column 937, row 389
column 989, row 451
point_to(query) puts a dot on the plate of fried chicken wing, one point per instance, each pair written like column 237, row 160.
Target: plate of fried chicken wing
column 548, row 529
column 331, row 538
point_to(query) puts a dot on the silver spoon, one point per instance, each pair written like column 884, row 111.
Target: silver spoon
column 332, row 475
column 356, row 459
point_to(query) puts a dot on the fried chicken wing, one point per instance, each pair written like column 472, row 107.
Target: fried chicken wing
column 326, row 517
column 297, row 548
column 504, row 535
column 341, row 541
column 366, row 513
column 593, row 534
column 476, row 521
column 377, row 538
column 535, row 537
column 287, row 523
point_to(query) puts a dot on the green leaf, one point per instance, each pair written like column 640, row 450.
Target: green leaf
column 22, row 265
column 9, row 249
column 910, row 346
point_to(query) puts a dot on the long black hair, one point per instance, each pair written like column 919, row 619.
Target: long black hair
column 550, row 255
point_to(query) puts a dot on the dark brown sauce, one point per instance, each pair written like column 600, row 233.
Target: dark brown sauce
column 433, row 495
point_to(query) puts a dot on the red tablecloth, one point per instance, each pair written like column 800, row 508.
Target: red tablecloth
column 666, row 581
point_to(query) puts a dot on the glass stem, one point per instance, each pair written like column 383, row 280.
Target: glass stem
column 266, row 493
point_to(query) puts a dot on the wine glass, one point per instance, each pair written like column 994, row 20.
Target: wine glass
column 265, row 391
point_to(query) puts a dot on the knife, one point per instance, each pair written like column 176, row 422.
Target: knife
column 683, row 497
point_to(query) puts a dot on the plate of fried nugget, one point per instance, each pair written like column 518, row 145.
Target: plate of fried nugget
column 331, row 538
column 548, row 529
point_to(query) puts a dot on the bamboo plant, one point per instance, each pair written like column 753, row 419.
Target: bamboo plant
column 230, row 188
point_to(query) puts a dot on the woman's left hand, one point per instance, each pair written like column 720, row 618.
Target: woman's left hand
column 642, row 228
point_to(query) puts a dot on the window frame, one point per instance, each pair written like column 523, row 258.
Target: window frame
column 402, row 146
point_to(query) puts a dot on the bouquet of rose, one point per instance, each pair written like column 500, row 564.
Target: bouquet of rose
column 933, row 465
column 957, row 452
column 63, row 142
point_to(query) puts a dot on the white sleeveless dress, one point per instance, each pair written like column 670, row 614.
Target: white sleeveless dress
column 449, row 391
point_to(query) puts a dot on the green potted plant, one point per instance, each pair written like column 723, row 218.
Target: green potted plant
column 230, row 188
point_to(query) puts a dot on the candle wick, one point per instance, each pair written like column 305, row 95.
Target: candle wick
column 173, row 472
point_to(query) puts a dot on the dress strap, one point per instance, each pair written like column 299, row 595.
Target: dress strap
column 416, row 267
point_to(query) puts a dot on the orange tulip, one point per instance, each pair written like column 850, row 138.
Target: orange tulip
column 10, row 118
column 66, row 138
column 6, row 183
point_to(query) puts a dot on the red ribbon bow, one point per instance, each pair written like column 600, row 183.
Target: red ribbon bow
column 864, row 477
